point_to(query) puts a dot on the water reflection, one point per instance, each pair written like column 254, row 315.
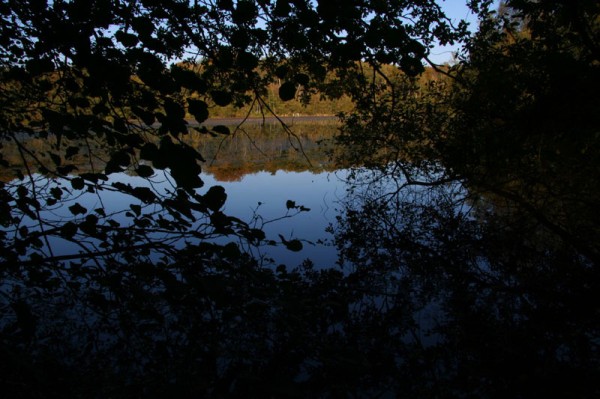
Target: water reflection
column 261, row 168
column 443, row 293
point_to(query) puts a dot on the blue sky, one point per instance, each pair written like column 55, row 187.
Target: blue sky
column 455, row 10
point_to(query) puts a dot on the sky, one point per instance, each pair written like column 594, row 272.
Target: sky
column 455, row 10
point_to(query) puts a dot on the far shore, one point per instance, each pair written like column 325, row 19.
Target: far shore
column 288, row 120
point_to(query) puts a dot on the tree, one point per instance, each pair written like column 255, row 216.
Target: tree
column 479, row 208
column 88, row 74
column 110, row 83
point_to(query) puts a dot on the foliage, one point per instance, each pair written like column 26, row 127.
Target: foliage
column 468, row 265
column 479, row 202
column 123, row 76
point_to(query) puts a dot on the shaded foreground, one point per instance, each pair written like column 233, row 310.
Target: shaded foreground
column 438, row 293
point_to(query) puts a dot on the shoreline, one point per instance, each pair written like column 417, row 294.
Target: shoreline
column 288, row 120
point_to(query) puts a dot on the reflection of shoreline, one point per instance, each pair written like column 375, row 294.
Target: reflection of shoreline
column 233, row 173
column 254, row 148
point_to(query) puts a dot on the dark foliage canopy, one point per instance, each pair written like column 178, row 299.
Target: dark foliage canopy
column 468, row 268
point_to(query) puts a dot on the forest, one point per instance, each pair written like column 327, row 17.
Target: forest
column 468, row 243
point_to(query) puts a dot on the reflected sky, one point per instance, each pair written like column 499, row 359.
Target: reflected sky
column 321, row 192
column 257, row 198
column 260, row 172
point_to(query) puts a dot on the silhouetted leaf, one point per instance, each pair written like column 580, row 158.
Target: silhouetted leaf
column 77, row 183
column 146, row 116
column 144, row 194
column 68, row 230
column 244, row 12
column 56, row 192
column 225, row 5
column 221, row 129
column 55, row 158
column 77, row 209
column 89, row 225
column 215, row 198
column 199, row 109
column 66, row 169
column 221, row 98
column 174, row 110
column 189, row 79
column 112, row 167
column 93, row 177
column 137, row 209
column 287, row 91
column 144, row 171
column 282, row 8
column 126, row 39
column 231, row 251
column 293, row 245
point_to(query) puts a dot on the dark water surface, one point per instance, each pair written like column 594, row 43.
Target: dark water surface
column 418, row 291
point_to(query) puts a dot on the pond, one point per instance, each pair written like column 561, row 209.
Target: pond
column 441, row 289
column 262, row 170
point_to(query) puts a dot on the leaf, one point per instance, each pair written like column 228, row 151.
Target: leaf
column 411, row 66
column 121, row 158
column 112, row 167
column 215, row 198
column 245, row 12
column 65, row 170
column 137, row 209
column 287, row 91
column 146, row 116
column 77, row 183
column 126, row 39
column 68, row 230
column 89, row 226
column 221, row 129
column 144, row 171
column 56, row 192
column 77, row 209
column 290, row 204
column 189, row 79
column 221, row 98
column 93, row 177
column 144, row 194
column 174, row 110
column 199, row 109
column 293, row 245
column 282, row 8
column 231, row 251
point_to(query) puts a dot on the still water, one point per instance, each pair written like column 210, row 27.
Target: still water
column 261, row 168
